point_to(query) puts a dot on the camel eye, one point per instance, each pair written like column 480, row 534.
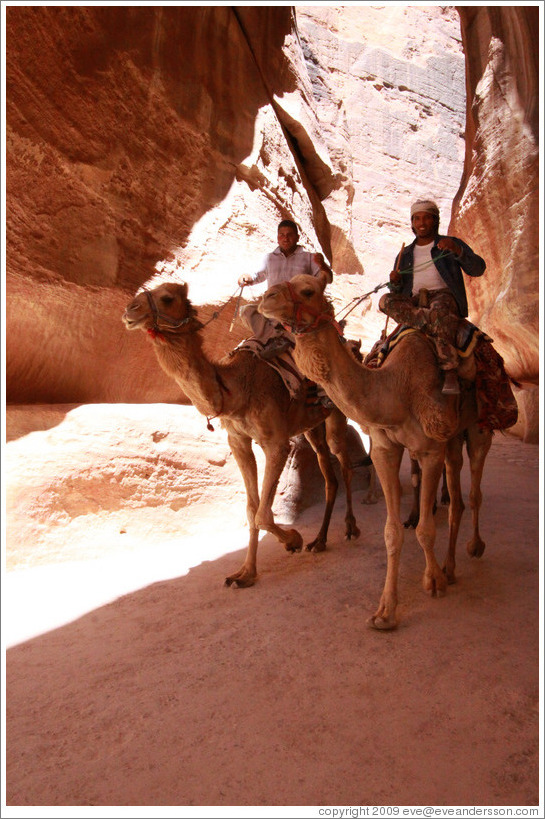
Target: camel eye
column 307, row 293
column 167, row 299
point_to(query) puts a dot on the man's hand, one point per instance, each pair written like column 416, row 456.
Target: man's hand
column 319, row 259
column 395, row 277
column 244, row 280
column 449, row 244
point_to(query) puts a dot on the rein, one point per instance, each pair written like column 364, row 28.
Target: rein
column 358, row 299
column 296, row 327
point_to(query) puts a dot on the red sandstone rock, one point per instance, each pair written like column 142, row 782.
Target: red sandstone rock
column 166, row 142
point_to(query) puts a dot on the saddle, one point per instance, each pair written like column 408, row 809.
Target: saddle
column 279, row 357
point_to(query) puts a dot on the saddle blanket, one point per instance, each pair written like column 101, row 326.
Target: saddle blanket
column 283, row 363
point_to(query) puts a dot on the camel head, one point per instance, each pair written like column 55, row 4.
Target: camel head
column 300, row 304
column 165, row 309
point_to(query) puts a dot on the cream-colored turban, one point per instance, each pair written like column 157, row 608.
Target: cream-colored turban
column 425, row 205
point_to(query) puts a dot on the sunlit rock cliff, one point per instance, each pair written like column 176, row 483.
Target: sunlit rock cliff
column 148, row 143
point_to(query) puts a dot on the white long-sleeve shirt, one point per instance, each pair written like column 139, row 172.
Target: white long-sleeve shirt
column 276, row 268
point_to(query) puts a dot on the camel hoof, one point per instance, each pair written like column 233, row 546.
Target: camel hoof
column 294, row 542
column 435, row 586
column 317, row 545
column 381, row 623
column 476, row 547
column 352, row 532
column 450, row 575
column 239, row 581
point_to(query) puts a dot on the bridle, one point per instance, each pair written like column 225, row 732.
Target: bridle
column 299, row 307
column 155, row 330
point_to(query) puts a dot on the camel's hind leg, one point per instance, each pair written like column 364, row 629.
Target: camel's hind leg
column 454, row 462
column 336, row 427
column 478, row 446
column 317, row 440
column 387, row 460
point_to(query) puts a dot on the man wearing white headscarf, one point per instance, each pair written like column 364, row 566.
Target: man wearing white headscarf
column 427, row 286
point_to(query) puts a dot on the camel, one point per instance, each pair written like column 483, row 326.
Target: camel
column 252, row 403
column 402, row 407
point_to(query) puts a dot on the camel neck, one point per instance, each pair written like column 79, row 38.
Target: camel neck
column 181, row 357
column 355, row 389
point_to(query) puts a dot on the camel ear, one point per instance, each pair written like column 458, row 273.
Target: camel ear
column 182, row 289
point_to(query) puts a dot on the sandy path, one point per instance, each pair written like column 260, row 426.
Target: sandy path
column 183, row 692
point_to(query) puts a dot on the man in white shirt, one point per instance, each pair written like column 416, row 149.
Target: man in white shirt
column 427, row 284
column 286, row 261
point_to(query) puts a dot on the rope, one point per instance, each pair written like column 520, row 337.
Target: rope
column 217, row 313
column 408, row 270
column 235, row 314
column 358, row 299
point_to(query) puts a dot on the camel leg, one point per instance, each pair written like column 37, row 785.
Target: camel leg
column 412, row 520
column 416, row 477
column 431, row 463
column 336, row 427
column 387, row 461
column 454, row 463
column 241, row 447
column 373, row 491
column 276, row 455
column 478, row 446
column 317, row 440
column 445, row 497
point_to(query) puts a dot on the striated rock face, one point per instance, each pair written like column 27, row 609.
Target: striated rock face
column 497, row 206
column 146, row 143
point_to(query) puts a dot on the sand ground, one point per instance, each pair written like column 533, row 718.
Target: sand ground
column 135, row 678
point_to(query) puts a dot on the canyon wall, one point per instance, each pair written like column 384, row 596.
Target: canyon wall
column 152, row 143
column 497, row 206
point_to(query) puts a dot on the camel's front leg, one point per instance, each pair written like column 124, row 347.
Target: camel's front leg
column 431, row 464
column 454, row 463
column 276, row 454
column 414, row 514
column 241, row 447
column 478, row 446
column 387, row 460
